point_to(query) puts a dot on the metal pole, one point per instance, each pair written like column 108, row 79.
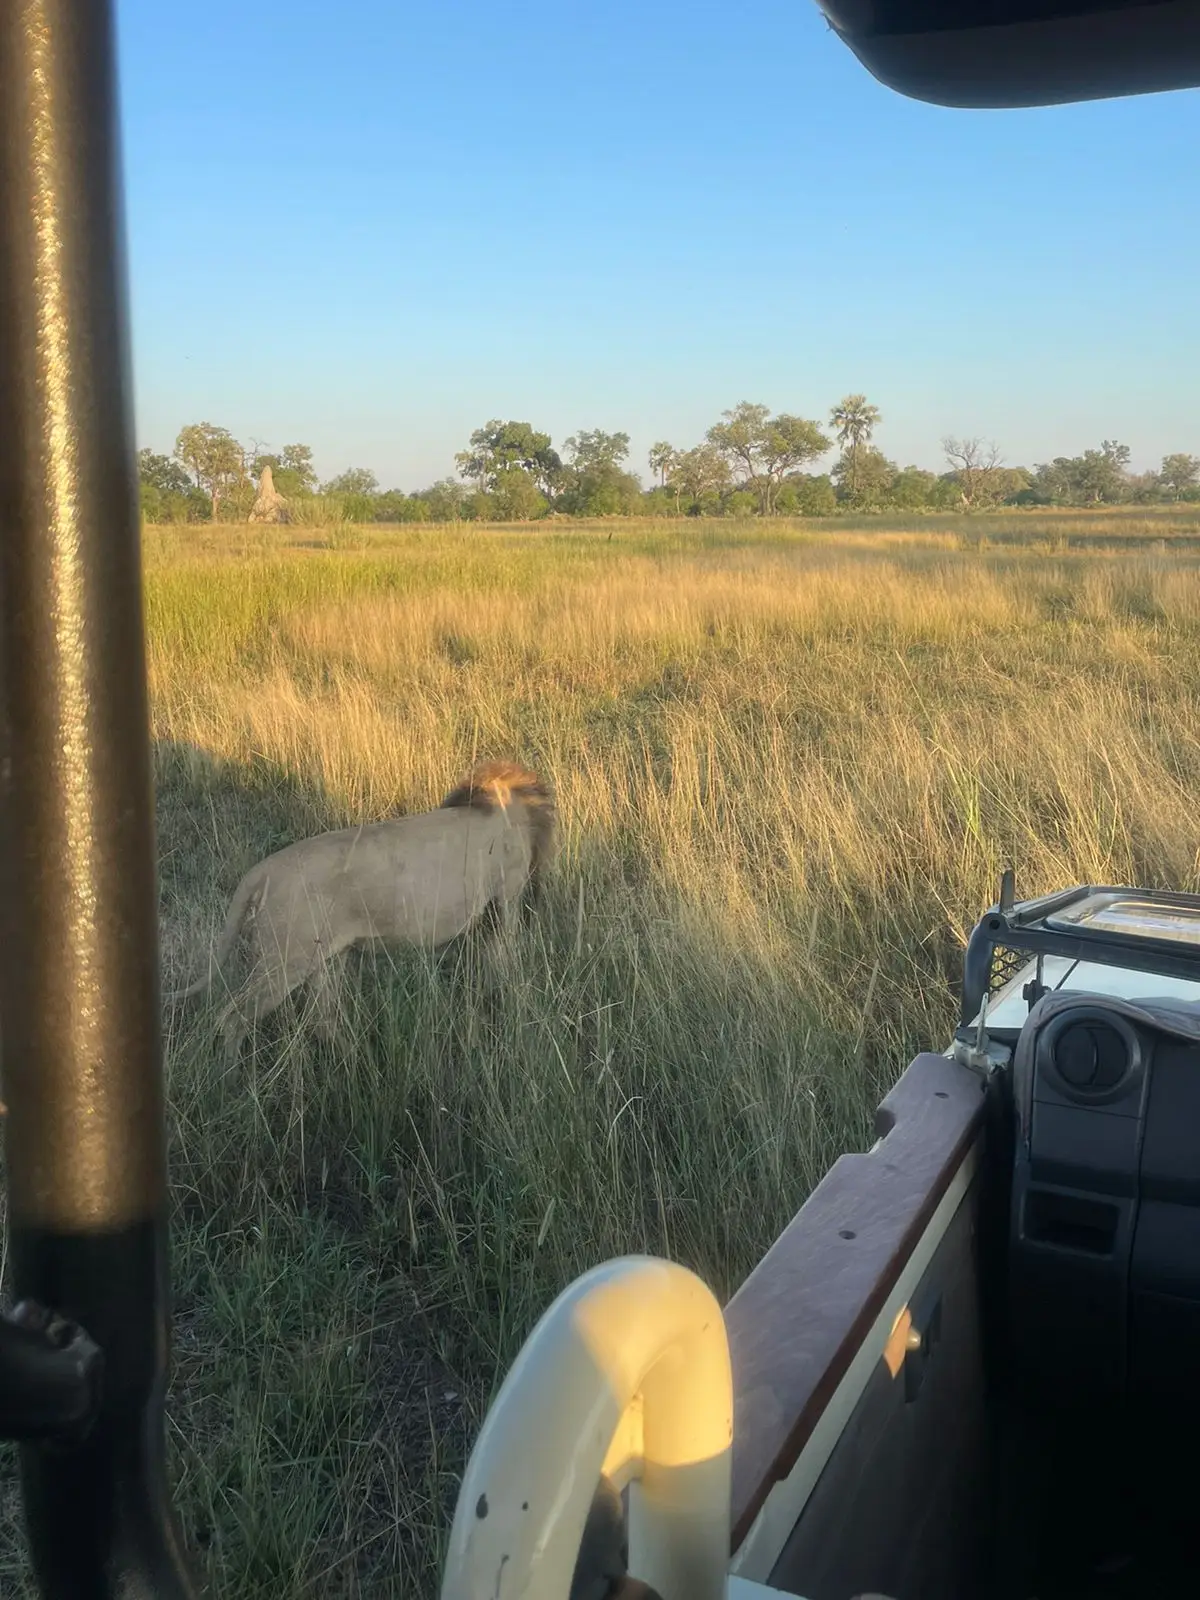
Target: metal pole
column 79, row 1009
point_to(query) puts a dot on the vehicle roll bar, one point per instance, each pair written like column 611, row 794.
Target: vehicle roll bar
column 83, row 1360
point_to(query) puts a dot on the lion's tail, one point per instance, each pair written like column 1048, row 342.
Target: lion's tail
column 245, row 892
column 495, row 785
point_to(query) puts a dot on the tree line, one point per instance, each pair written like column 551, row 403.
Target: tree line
column 751, row 462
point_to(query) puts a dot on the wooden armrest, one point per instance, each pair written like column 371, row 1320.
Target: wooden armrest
column 796, row 1322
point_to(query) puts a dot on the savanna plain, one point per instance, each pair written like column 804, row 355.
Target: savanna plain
column 790, row 759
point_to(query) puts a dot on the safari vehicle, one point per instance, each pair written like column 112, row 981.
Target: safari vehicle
column 964, row 1369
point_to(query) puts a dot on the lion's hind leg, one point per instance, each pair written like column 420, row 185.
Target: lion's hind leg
column 266, row 989
column 325, row 984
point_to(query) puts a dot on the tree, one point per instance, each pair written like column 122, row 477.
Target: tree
column 166, row 492
column 214, row 458
column 355, row 480
column 814, row 495
column 764, row 448
column 865, row 478
column 500, row 445
column 296, row 460
column 1051, row 484
column 515, row 496
column 593, row 450
column 161, row 473
column 393, row 505
column 1095, row 477
column 699, row 472
column 974, row 465
column 913, row 488
column 595, row 483
column 292, row 468
column 1148, row 488
column 444, row 499
column 1100, row 474
column 1179, row 473
column 854, row 421
column 663, row 457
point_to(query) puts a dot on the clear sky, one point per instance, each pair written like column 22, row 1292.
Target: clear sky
column 370, row 227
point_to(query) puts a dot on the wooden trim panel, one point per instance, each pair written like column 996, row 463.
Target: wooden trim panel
column 796, row 1322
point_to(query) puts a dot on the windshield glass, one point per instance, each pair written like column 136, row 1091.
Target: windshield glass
column 1134, row 917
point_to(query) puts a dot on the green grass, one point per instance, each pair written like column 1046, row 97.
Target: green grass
column 791, row 763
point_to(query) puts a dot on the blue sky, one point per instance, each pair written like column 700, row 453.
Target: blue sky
column 372, row 227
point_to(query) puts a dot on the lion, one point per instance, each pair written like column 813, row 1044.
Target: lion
column 423, row 879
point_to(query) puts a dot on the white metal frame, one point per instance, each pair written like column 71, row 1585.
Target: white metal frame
column 627, row 1373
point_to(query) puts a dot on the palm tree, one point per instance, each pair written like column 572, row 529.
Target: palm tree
column 855, row 421
column 663, row 457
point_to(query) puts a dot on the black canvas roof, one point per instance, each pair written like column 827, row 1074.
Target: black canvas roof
column 1004, row 53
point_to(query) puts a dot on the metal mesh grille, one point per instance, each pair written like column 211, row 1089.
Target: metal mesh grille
column 1005, row 965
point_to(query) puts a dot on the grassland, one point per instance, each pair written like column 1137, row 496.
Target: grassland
column 790, row 764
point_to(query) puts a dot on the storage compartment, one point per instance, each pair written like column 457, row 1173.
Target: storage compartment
column 1071, row 1221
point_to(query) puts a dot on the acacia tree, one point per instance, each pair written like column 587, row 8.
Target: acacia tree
column 214, row 458
column 854, row 420
column 764, row 449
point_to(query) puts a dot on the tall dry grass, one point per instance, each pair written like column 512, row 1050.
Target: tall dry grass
column 790, row 765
